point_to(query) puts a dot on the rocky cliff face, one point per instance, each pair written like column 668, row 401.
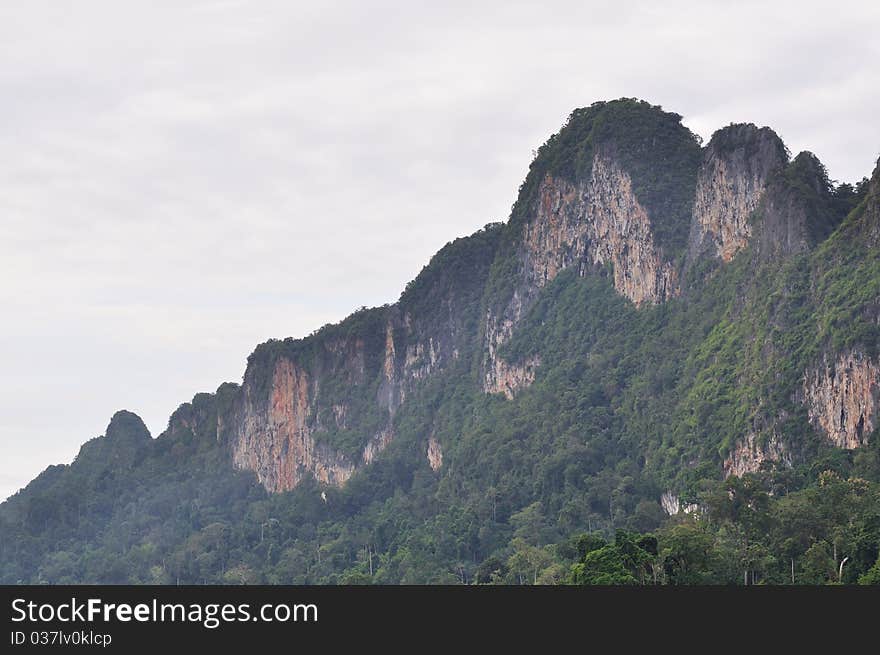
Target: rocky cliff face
column 587, row 225
column 750, row 453
column 595, row 223
column 738, row 163
column 275, row 438
column 796, row 212
column 672, row 504
column 351, row 379
column 508, row 379
column 598, row 216
column 276, row 431
column 841, row 395
column 623, row 237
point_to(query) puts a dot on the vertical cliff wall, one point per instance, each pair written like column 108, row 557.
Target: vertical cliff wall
column 596, row 223
column 841, row 395
column 611, row 192
column 797, row 211
column 737, row 166
column 624, row 190
column 590, row 224
column 324, row 406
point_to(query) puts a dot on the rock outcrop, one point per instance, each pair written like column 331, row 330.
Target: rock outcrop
column 738, row 163
column 841, row 396
column 750, row 453
column 672, row 504
column 622, row 236
column 434, row 453
column 585, row 212
column 347, row 382
column 797, row 212
column 591, row 224
column 595, row 223
column 508, row 379
column 275, row 440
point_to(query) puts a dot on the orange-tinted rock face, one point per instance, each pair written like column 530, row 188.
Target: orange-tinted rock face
column 277, row 444
column 273, row 432
column 730, row 185
column 597, row 223
column 725, row 199
column 842, row 397
column 622, row 236
column 588, row 224
column 276, row 440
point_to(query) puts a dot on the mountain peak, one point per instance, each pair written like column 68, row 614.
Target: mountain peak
column 751, row 139
column 126, row 426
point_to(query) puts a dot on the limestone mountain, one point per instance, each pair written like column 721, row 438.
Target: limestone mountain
column 657, row 319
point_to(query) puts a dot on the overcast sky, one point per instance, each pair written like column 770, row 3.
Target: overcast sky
column 181, row 180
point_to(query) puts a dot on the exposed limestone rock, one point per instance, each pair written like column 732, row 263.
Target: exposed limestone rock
column 672, row 504
column 841, row 398
column 498, row 330
column 276, row 442
column 421, row 360
column 750, row 453
column 435, row 453
column 273, row 432
column 556, row 237
column 509, row 378
column 622, row 236
column 390, row 352
column 738, row 163
column 376, row 445
column 275, row 439
column 391, row 393
column 597, row 223
column 589, row 224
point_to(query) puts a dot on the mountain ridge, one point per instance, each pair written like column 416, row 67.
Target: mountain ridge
column 655, row 314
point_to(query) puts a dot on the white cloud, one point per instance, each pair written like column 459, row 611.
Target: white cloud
column 180, row 180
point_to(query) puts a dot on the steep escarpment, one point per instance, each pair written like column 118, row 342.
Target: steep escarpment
column 623, row 192
column 737, row 165
column 275, row 439
column 595, row 223
column 597, row 198
column 624, row 238
column 841, row 396
column 797, row 211
column 666, row 330
column 324, row 406
column 599, row 221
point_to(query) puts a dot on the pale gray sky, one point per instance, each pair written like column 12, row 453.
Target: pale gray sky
column 182, row 179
